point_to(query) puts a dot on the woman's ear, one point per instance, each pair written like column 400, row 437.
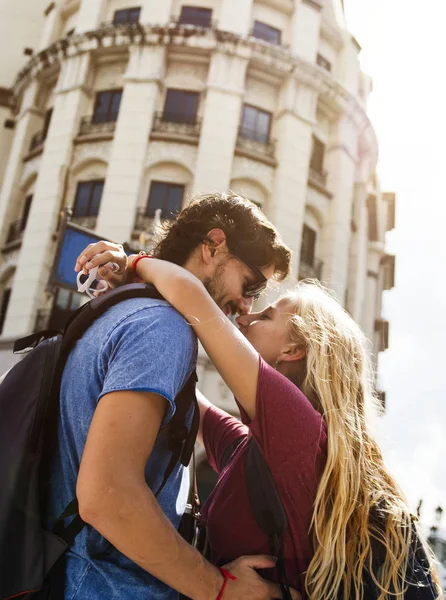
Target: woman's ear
column 291, row 352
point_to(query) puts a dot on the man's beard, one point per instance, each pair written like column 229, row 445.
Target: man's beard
column 216, row 287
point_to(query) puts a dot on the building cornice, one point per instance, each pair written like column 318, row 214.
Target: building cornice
column 6, row 97
column 259, row 54
column 317, row 5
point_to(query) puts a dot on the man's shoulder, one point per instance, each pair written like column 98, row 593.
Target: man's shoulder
column 146, row 314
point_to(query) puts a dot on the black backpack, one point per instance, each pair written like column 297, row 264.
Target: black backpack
column 29, row 411
column 271, row 518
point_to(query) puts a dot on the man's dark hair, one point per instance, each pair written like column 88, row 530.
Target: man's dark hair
column 247, row 231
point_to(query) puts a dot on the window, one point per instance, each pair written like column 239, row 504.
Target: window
column 181, row 107
column 4, row 307
column 166, row 196
column 256, row 124
column 107, row 106
column 317, row 156
column 194, row 15
column 308, row 247
column 265, row 32
column 46, row 122
column 127, row 15
column 323, row 62
column 65, row 303
column 88, row 198
column 26, row 209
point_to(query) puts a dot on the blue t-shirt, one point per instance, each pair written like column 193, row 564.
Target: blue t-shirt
column 140, row 345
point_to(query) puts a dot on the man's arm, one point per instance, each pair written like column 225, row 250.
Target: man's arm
column 115, row 499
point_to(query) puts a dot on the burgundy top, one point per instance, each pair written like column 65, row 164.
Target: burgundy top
column 292, row 437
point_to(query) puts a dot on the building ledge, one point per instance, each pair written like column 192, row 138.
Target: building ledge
column 316, row 185
column 253, row 155
column 34, row 153
column 11, row 246
column 93, row 137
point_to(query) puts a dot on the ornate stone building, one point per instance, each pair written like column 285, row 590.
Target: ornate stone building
column 128, row 106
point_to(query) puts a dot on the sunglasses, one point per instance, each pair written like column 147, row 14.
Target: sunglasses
column 252, row 290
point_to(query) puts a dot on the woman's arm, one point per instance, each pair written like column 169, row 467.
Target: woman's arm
column 234, row 357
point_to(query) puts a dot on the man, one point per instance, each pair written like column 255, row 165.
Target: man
column 117, row 396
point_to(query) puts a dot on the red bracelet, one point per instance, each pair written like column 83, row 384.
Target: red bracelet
column 137, row 259
column 227, row 575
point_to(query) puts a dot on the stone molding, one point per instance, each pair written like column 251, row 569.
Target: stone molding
column 278, row 59
column 317, row 5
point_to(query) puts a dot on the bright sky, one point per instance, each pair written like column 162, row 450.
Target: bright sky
column 404, row 50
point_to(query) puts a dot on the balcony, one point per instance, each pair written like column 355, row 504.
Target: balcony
column 15, row 235
column 319, row 177
column 89, row 222
column 254, row 148
column 382, row 331
column 37, row 141
column 176, row 127
column 91, row 127
column 311, row 271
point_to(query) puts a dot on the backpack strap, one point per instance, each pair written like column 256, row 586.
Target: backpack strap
column 267, row 508
column 182, row 440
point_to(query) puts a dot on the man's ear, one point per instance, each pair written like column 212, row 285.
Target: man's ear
column 215, row 241
column 291, row 353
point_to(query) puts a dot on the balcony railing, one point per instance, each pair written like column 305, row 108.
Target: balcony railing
column 311, row 271
column 89, row 222
column 202, row 23
column 89, row 126
column 319, row 177
column 16, row 230
column 178, row 124
column 37, row 141
column 267, row 147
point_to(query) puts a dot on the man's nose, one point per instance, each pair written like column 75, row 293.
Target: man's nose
column 244, row 306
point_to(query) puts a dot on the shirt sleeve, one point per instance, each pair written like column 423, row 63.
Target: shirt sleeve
column 150, row 350
column 286, row 426
column 220, row 430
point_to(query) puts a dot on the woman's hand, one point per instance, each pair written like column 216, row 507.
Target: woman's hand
column 114, row 264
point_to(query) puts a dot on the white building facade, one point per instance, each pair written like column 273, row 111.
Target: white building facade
column 128, row 106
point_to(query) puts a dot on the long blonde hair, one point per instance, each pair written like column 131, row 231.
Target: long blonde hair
column 358, row 503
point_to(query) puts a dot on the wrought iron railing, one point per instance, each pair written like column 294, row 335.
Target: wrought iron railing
column 89, row 222
column 176, row 123
column 89, row 126
column 142, row 221
column 247, row 141
column 15, row 232
column 319, row 177
column 202, row 23
column 311, row 271
column 37, row 140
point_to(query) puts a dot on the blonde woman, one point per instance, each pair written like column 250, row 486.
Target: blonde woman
column 301, row 375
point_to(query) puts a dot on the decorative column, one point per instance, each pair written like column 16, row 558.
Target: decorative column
column 91, row 15
column 51, row 26
column 36, row 255
column 236, row 16
column 305, row 27
column 26, row 122
column 341, row 158
column 372, row 308
column 143, row 78
column 357, row 276
column 157, row 12
column 293, row 131
column 221, row 118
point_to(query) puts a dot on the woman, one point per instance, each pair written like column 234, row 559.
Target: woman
column 300, row 372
